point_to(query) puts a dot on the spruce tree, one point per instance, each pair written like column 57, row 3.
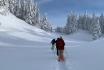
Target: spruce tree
column 95, row 26
column 101, row 21
column 71, row 25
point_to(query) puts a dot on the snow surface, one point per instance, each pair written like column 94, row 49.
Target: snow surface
column 24, row 47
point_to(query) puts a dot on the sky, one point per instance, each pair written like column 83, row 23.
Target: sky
column 58, row 10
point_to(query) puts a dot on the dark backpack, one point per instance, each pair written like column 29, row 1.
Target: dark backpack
column 53, row 41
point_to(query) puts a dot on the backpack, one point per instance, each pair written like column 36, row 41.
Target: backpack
column 60, row 42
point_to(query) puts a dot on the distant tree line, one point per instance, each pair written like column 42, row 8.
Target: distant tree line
column 91, row 23
column 28, row 11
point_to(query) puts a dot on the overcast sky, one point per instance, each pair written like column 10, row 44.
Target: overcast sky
column 57, row 10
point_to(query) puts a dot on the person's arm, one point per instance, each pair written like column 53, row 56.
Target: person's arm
column 63, row 42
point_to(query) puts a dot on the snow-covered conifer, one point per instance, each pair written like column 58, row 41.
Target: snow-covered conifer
column 45, row 25
column 101, row 21
column 71, row 25
column 95, row 27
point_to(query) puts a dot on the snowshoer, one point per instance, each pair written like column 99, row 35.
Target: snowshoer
column 60, row 47
column 53, row 43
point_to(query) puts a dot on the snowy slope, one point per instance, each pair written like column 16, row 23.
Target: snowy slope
column 17, row 31
column 23, row 46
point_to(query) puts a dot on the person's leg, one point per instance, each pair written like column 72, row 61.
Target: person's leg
column 59, row 55
column 62, row 55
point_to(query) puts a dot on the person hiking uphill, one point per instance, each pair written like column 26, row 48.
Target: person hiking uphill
column 53, row 43
column 60, row 47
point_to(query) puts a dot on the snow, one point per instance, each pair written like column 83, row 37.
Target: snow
column 24, row 47
column 80, row 35
column 16, row 27
column 87, row 56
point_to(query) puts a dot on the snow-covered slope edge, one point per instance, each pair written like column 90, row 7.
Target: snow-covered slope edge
column 15, row 31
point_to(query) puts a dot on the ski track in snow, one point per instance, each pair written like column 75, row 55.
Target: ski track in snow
column 61, row 65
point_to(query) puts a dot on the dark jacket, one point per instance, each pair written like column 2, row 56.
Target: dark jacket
column 60, row 44
column 53, row 42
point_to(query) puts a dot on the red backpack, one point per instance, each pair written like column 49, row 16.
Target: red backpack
column 60, row 42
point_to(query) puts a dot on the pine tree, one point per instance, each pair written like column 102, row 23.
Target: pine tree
column 2, row 2
column 33, row 15
column 45, row 25
column 95, row 27
column 71, row 25
column 83, row 21
column 12, row 4
column 101, row 21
